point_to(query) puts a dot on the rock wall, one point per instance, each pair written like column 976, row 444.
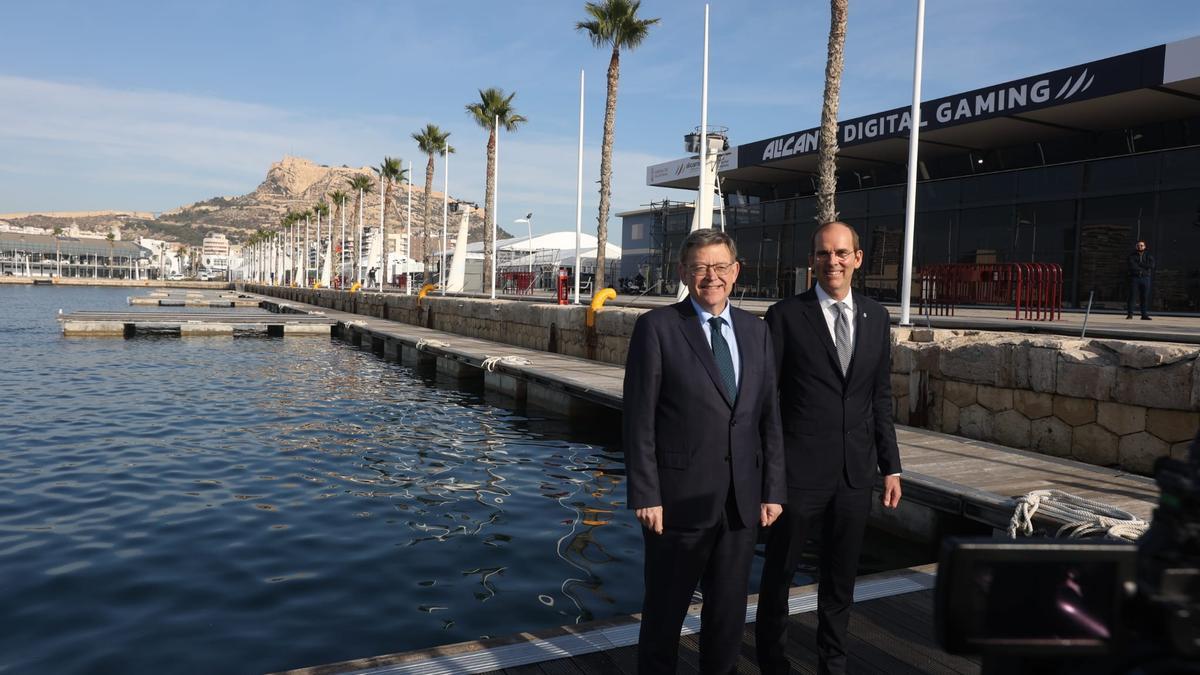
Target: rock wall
column 1105, row 402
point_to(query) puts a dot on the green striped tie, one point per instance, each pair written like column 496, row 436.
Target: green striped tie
column 721, row 353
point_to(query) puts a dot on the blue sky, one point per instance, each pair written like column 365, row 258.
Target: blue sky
column 152, row 105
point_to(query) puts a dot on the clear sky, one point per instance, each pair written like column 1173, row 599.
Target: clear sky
column 152, row 105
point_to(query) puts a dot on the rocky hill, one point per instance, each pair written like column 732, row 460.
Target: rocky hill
column 293, row 184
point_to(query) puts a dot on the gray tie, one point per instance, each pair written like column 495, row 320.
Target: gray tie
column 841, row 334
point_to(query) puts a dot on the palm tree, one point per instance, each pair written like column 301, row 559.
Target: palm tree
column 827, row 147
column 431, row 140
column 390, row 171
column 492, row 106
column 338, row 197
column 612, row 23
column 321, row 208
column 111, row 238
column 362, row 184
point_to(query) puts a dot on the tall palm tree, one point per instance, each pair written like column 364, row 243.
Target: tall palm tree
column 493, row 105
column 338, row 197
column 362, row 184
column 111, row 239
column 432, row 141
column 827, row 146
column 320, row 210
column 615, row 24
column 390, row 171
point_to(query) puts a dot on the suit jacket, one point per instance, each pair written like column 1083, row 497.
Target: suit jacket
column 686, row 443
column 833, row 423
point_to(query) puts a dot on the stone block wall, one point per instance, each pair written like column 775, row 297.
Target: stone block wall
column 1105, row 402
column 561, row 329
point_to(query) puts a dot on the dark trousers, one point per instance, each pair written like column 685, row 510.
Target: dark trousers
column 718, row 558
column 1139, row 290
column 839, row 514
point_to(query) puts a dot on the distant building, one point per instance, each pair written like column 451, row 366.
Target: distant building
column 215, row 252
column 1070, row 167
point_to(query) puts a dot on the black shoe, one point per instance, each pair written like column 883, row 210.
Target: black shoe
column 1145, row 318
column 1128, row 317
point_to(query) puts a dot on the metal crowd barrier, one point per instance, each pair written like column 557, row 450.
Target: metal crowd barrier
column 1033, row 290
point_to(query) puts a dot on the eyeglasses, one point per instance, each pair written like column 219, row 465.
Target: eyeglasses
column 840, row 254
column 700, row 270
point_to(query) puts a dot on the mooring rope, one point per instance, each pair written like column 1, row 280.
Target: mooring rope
column 1083, row 517
column 428, row 342
column 489, row 364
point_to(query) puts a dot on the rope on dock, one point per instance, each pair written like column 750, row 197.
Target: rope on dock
column 1083, row 517
column 489, row 364
column 428, row 342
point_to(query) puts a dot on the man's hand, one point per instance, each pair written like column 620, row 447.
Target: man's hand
column 651, row 518
column 891, row 491
column 768, row 513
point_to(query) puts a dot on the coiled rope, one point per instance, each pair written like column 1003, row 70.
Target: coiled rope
column 489, row 364
column 427, row 342
column 1083, row 517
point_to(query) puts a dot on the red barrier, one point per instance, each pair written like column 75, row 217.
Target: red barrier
column 520, row 283
column 1034, row 290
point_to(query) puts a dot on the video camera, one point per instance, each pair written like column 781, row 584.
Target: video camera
column 1082, row 606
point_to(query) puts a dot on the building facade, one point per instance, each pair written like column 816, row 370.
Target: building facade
column 1069, row 167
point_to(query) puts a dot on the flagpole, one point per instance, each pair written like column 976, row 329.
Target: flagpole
column 495, row 203
column 408, row 236
column 445, row 215
column 702, row 213
column 579, row 191
column 910, row 205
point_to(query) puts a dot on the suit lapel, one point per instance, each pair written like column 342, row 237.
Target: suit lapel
column 689, row 324
column 744, row 371
column 816, row 317
column 861, row 325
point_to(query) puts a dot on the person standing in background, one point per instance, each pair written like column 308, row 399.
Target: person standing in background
column 1141, row 270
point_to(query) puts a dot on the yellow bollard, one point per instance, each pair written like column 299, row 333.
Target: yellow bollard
column 423, row 292
column 603, row 295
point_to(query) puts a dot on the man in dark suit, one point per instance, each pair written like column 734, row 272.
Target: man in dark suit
column 1141, row 270
column 703, row 455
column 833, row 351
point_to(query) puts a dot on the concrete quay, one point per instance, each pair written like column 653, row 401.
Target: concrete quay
column 1120, row 402
column 949, row 480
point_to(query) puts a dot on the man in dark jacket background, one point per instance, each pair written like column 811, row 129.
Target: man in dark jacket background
column 1141, row 270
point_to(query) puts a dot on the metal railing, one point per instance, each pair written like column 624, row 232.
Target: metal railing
column 1033, row 290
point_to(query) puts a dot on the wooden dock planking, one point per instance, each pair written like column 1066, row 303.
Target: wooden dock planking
column 891, row 631
column 97, row 323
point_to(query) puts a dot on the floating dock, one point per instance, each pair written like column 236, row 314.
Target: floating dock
column 177, row 298
column 191, row 324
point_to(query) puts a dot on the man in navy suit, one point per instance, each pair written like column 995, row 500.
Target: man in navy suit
column 833, row 350
column 703, row 455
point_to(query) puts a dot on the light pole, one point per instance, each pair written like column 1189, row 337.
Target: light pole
column 528, row 220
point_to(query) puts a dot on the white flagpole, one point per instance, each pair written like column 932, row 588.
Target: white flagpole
column 910, row 205
column 445, row 205
column 358, row 246
column 382, row 239
column 579, row 191
column 702, row 214
column 307, row 222
column 317, row 248
column 495, row 205
column 342, row 249
column 408, row 236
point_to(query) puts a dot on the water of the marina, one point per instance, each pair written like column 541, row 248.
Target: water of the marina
column 244, row 505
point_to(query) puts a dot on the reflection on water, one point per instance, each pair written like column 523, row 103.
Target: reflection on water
column 243, row 505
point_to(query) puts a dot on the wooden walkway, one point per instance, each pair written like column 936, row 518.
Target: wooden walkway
column 185, row 324
column 891, row 631
column 192, row 298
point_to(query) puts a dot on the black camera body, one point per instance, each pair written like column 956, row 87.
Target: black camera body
column 1086, row 606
